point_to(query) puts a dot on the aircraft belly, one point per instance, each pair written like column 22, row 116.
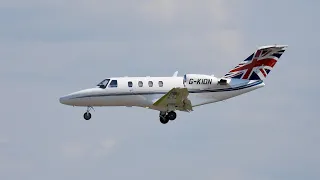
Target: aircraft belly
column 148, row 101
column 229, row 94
column 116, row 100
column 202, row 98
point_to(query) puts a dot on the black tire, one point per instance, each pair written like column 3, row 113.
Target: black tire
column 87, row 116
column 172, row 115
column 164, row 120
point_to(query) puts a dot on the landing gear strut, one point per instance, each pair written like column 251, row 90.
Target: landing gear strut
column 165, row 117
column 87, row 115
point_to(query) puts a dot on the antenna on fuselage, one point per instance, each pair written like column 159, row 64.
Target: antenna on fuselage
column 175, row 74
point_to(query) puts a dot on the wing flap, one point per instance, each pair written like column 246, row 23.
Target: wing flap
column 175, row 99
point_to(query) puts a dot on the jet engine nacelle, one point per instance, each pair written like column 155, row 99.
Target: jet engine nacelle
column 200, row 81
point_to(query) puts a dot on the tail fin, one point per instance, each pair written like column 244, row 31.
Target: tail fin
column 259, row 64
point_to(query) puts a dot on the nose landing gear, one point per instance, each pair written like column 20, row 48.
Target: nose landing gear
column 87, row 115
column 165, row 117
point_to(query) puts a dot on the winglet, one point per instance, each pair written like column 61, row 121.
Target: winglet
column 175, row 74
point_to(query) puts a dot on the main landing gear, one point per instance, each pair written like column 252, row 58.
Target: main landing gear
column 165, row 117
column 87, row 115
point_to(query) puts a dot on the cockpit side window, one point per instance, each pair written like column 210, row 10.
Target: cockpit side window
column 113, row 83
column 103, row 84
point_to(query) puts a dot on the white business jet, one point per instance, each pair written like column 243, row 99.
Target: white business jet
column 170, row 94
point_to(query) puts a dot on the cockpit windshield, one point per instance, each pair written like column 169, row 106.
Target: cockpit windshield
column 103, row 83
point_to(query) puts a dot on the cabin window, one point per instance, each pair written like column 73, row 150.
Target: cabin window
column 113, row 83
column 160, row 84
column 140, row 83
column 129, row 84
column 150, row 83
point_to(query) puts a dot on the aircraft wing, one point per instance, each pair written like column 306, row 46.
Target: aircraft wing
column 175, row 99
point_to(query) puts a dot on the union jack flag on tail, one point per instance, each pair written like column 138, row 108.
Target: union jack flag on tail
column 259, row 64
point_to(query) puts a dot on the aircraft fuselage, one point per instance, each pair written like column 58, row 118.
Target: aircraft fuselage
column 143, row 91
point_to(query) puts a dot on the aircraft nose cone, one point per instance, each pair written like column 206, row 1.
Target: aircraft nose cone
column 78, row 98
column 64, row 100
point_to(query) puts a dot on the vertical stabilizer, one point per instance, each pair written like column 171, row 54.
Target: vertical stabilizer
column 259, row 64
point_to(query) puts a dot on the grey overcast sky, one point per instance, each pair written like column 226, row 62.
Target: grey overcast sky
column 51, row 48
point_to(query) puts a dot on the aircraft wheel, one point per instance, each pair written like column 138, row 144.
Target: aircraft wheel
column 164, row 120
column 172, row 115
column 87, row 116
